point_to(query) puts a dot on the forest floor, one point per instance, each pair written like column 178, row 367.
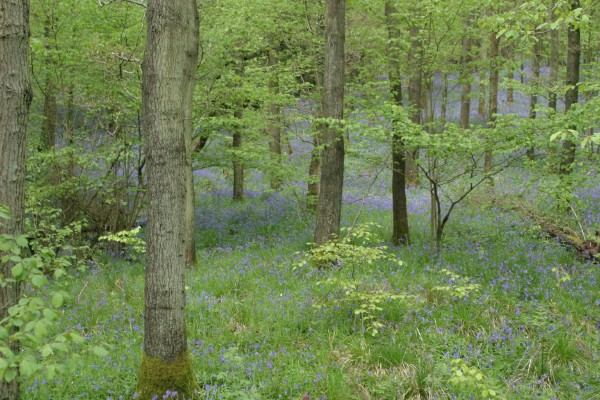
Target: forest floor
column 505, row 312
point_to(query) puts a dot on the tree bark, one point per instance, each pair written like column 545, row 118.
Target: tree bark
column 15, row 99
column 533, row 99
column 400, row 229
column 238, row 166
column 415, row 100
column 168, row 71
column 573, row 60
column 493, row 102
column 465, row 78
column 554, row 60
column 275, row 123
column 329, row 208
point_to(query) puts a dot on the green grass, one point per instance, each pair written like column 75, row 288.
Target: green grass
column 254, row 332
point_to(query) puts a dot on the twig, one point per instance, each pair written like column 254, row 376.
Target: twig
column 106, row 3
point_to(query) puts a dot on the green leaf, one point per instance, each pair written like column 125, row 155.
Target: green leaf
column 57, row 300
column 3, row 363
column 17, row 270
column 10, row 375
column 39, row 281
column 40, row 330
column 100, row 351
column 46, row 351
column 28, row 366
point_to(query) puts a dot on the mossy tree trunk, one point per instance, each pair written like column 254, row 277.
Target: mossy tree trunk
column 15, row 98
column 329, row 208
column 169, row 69
column 400, row 230
column 493, row 102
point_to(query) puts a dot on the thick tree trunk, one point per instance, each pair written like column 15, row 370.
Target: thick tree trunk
column 15, row 98
column 400, row 230
column 314, row 172
column 275, row 123
column 329, row 208
column 567, row 158
column 168, row 71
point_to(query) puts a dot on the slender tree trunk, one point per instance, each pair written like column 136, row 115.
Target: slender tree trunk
column 537, row 49
column 49, row 127
column 510, row 96
column 465, row 80
column 168, row 71
column 493, row 103
column 15, row 98
column 329, row 209
column 400, row 229
column 481, row 106
column 238, row 166
column 444, row 107
column 415, row 101
column 573, row 60
column 554, row 60
column 275, row 123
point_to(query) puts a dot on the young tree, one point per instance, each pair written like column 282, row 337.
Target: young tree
column 329, row 209
column 169, row 68
column 15, row 98
column 400, row 230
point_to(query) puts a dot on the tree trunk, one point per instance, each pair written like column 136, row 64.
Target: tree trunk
column 15, row 98
column 168, row 72
column 238, row 166
column 573, row 59
column 275, row 123
column 537, row 49
column 329, row 208
column 400, row 230
column 481, row 106
column 465, row 80
column 510, row 75
column 554, row 60
column 415, row 101
column 493, row 102
column 49, row 127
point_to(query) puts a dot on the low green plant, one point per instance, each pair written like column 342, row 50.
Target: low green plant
column 458, row 286
column 468, row 377
column 367, row 301
column 27, row 341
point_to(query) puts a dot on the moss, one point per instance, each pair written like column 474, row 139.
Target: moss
column 157, row 376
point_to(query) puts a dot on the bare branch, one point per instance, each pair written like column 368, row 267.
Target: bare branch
column 106, row 3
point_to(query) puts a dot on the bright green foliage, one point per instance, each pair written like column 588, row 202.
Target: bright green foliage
column 128, row 238
column 30, row 321
column 468, row 377
column 158, row 377
column 458, row 286
column 353, row 251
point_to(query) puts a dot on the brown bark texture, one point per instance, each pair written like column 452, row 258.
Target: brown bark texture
column 493, row 101
column 169, row 69
column 465, row 78
column 329, row 208
column 400, row 229
column 15, row 99
column 573, row 61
